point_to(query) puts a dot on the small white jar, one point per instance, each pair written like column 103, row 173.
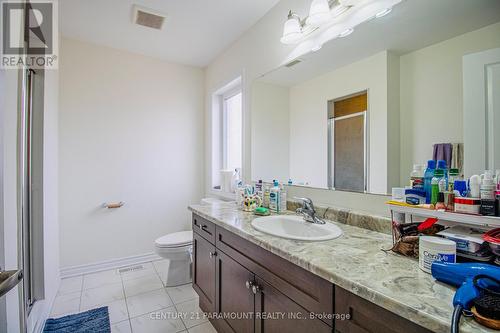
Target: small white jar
column 432, row 248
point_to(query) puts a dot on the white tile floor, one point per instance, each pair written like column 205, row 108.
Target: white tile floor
column 137, row 300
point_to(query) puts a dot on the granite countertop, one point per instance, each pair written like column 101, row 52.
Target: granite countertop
column 356, row 263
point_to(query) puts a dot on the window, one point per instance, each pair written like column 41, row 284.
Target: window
column 347, row 142
column 227, row 135
column 233, row 130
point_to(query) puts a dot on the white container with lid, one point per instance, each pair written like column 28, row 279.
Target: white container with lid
column 435, row 248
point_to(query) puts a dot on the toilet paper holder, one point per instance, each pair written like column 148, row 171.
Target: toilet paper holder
column 113, row 205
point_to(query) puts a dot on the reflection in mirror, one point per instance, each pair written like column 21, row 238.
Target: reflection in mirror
column 366, row 112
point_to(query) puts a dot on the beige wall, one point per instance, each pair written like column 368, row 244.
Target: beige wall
column 432, row 96
column 131, row 129
column 270, row 132
column 308, row 120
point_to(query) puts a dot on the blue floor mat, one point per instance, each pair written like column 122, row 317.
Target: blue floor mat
column 95, row 321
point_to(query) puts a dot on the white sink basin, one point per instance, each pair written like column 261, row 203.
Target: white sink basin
column 294, row 227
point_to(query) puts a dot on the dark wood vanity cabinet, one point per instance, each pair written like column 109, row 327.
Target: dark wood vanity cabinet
column 234, row 295
column 249, row 289
column 204, row 255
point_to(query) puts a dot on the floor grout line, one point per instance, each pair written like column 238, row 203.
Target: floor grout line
column 126, row 303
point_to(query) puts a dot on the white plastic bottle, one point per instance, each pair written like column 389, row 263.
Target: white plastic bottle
column 235, row 180
column 275, row 198
column 282, row 199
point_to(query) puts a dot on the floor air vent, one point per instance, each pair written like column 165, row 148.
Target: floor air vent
column 148, row 17
column 130, row 269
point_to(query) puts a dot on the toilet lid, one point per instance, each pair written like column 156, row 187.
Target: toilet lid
column 175, row 239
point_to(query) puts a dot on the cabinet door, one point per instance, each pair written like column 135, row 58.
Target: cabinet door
column 366, row 317
column 204, row 272
column 274, row 312
column 234, row 300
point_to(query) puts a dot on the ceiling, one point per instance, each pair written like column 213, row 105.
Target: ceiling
column 412, row 25
column 194, row 33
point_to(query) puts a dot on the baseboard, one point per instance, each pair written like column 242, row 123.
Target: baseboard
column 108, row 264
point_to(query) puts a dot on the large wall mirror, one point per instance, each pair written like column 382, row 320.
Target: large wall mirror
column 362, row 111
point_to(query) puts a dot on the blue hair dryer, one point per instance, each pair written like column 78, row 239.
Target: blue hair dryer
column 470, row 279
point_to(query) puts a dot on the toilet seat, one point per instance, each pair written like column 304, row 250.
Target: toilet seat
column 176, row 239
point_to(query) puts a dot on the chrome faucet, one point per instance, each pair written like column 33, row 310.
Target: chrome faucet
column 308, row 212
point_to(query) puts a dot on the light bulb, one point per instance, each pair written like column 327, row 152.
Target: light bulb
column 319, row 13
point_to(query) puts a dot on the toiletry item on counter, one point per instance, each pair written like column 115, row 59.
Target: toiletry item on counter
column 259, row 186
column 290, row 182
column 226, row 176
column 275, row 198
column 266, row 195
column 474, row 186
column 414, row 196
column 440, row 203
column 487, row 194
column 282, row 199
column 449, row 201
column 428, row 175
column 261, row 211
column 460, row 188
column 235, row 180
column 467, row 205
column 251, row 201
column 468, row 239
column 398, row 194
column 441, row 165
column 435, row 248
column 488, row 186
column 417, row 177
column 453, row 176
column 438, row 184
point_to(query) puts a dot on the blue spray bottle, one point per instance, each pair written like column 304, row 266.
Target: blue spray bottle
column 429, row 173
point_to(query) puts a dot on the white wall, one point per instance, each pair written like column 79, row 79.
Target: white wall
column 309, row 114
column 270, row 132
column 131, row 129
column 432, row 94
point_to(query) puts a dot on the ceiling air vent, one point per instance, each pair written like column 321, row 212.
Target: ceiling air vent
column 293, row 63
column 148, row 17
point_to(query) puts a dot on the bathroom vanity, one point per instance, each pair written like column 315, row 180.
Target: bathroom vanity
column 252, row 282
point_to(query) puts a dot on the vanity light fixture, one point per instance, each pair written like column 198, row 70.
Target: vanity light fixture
column 319, row 13
column 383, row 13
column 329, row 19
column 292, row 30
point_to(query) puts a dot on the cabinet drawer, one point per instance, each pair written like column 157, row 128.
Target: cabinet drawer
column 366, row 317
column 204, row 228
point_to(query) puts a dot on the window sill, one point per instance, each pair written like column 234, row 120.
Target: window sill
column 221, row 195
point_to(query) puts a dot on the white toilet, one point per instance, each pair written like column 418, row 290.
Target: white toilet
column 177, row 248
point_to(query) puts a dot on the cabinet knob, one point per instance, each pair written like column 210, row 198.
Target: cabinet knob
column 256, row 289
column 213, row 254
column 249, row 284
